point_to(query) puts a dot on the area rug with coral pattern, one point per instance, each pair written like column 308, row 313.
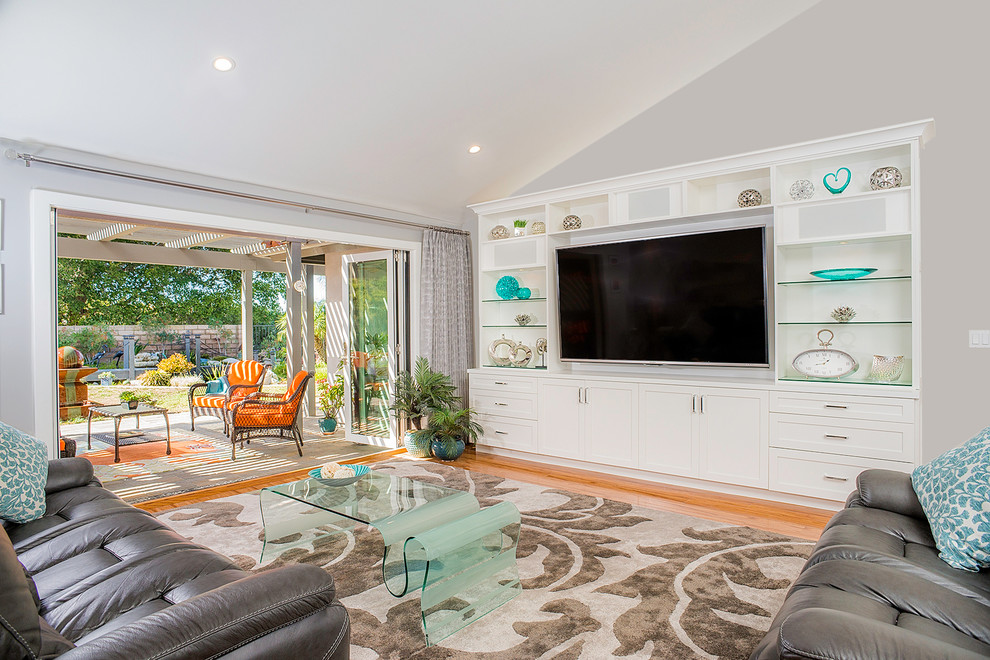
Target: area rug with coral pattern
column 600, row 578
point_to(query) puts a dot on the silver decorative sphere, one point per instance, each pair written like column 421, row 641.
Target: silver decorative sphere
column 750, row 197
column 885, row 178
column 498, row 232
column 571, row 222
column 802, row 189
column 539, row 227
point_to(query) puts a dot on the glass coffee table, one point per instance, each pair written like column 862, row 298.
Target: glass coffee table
column 438, row 540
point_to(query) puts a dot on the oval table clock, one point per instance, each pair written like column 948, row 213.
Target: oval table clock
column 825, row 362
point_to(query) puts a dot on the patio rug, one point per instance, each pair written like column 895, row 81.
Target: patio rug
column 600, row 578
column 201, row 459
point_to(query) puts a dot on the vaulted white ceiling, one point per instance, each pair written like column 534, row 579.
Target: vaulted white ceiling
column 370, row 101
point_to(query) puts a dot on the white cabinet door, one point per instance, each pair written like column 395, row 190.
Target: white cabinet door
column 561, row 418
column 611, row 423
column 734, row 436
column 668, row 430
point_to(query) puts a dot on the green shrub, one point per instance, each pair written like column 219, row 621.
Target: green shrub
column 281, row 370
column 155, row 377
column 88, row 340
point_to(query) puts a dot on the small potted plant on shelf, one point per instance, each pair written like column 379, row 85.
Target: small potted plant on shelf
column 106, row 378
column 519, row 227
column 330, row 395
column 448, row 430
column 417, row 395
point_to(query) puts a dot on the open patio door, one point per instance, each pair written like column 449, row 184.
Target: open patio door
column 376, row 291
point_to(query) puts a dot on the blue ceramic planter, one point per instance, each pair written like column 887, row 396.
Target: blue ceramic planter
column 328, row 424
column 446, row 451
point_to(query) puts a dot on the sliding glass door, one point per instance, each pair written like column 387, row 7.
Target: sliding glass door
column 376, row 291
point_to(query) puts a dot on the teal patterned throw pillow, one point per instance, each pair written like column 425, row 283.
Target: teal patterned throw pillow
column 954, row 491
column 23, row 474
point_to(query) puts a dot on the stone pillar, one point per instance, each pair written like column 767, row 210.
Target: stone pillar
column 199, row 346
column 247, row 315
column 129, row 356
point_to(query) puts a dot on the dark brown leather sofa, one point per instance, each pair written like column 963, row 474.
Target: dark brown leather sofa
column 97, row 578
column 874, row 588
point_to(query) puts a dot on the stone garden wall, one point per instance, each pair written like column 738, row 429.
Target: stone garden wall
column 215, row 340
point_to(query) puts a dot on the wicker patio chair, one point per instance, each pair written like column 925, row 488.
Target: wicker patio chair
column 216, row 398
column 269, row 415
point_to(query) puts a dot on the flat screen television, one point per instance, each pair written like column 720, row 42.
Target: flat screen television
column 698, row 299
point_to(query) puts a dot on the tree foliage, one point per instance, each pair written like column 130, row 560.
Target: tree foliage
column 116, row 293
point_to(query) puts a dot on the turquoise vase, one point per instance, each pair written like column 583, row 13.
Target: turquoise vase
column 328, row 424
column 414, row 446
column 447, row 451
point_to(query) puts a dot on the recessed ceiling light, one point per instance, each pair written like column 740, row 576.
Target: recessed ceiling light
column 474, row 149
column 223, row 64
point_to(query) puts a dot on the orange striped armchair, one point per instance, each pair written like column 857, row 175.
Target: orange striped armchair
column 242, row 379
column 269, row 415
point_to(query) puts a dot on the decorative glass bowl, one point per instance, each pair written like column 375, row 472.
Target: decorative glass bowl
column 359, row 471
column 887, row 368
column 843, row 273
column 507, row 287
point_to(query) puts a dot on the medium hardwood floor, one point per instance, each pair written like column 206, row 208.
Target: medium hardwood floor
column 789, row 519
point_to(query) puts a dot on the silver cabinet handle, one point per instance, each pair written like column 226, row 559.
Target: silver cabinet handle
column 702, row 407
column 500, row 382
column 836, row 406
column 694, row 403
column 580, row 390
column 832, row 436
column 499, row 403
column 501, row 432
column 832, row 478
column 587, row 391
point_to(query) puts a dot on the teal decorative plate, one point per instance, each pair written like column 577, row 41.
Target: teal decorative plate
column 359, row 471
column 507, row 287
column 843, row 273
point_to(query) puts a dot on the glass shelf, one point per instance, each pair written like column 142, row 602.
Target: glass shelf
column 503, row 300
column 860, row 279
column 516, row 325
column 509, row 366
column 846, row 323
column 843, row 381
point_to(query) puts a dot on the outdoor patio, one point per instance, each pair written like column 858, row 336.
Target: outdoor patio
column 200, row 458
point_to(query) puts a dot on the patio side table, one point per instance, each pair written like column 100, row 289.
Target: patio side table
column 121, row 411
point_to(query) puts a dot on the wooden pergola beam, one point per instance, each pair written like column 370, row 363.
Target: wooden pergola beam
column 77, row 248
column 112, row 232
column 193, row 240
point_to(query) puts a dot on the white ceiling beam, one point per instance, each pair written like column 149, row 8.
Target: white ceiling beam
column 111, row 232
column 75, row 248
column 249, row 249
column 193, row 240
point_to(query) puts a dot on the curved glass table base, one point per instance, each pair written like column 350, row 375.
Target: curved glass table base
column 437, row 540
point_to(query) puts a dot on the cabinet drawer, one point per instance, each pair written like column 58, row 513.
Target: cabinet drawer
column 502, row 383
column 505, row 404
column 515, row 434
column 864, row 438
column 824, row 476
column 883, row 409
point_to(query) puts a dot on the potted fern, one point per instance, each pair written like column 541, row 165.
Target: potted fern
column 417, row 395
column 447, row 432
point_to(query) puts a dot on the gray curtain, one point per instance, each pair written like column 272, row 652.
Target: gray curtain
column 447, row 307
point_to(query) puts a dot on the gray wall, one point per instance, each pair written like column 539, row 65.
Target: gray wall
column 16, row 182
column 841, row 67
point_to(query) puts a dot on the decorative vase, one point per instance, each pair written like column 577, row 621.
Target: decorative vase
column 749, row 197
column 328, row 425
column 447, row 451
column 885, row 178
column 802, row 189
column 414, row 446
column 887, row 368
column 519, row 231
column 571, row 222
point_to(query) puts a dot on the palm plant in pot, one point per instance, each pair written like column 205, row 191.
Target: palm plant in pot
column 330, row 396
column 417, row 395
column 448, row 430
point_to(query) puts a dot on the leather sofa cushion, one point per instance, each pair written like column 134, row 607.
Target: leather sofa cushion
column 23, row 633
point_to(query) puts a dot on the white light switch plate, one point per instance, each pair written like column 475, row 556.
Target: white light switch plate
column 979, row 338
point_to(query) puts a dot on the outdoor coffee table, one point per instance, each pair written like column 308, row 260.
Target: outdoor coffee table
column 121, row 411
column 437, row 539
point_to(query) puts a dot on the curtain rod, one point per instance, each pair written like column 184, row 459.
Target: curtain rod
column 307, row 208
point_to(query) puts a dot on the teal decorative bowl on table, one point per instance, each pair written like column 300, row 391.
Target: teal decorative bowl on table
column 359, row 471
column 843, row 273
